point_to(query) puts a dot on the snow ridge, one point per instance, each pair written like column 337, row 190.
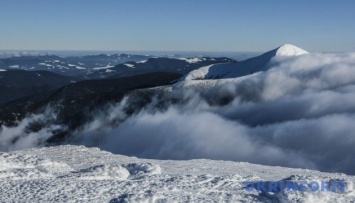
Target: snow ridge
column 246, row 67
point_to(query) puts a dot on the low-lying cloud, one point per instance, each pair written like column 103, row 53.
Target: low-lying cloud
column 300, row 113
column 33, row 131
column 6, row 54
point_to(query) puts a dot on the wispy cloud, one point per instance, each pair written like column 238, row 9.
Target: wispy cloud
column 6, row 54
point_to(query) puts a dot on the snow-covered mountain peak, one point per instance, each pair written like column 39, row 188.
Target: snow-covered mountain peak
column 246, row 67
column 289, row 50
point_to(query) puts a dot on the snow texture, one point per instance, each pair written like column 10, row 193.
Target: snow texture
column 79, row 174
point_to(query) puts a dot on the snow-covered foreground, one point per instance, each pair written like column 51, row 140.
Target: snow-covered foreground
column 80, row 174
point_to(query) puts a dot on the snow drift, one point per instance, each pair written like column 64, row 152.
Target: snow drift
column 92, row 175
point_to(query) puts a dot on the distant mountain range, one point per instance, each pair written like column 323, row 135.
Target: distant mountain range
column 174, row 65
column 29, row 83
column 69, row 66
column 78, row 85
column 103, row 65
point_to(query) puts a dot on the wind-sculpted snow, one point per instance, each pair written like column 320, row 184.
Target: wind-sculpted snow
column 299, row 113
column 116, row 171
column 137, row 170
column 21, row 166
column 101, row 172
column 90, row 175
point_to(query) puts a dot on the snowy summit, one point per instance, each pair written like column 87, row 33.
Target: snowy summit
column 246, row 67
column 289, row 50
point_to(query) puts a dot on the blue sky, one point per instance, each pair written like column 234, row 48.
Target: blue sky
column 181, row 25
